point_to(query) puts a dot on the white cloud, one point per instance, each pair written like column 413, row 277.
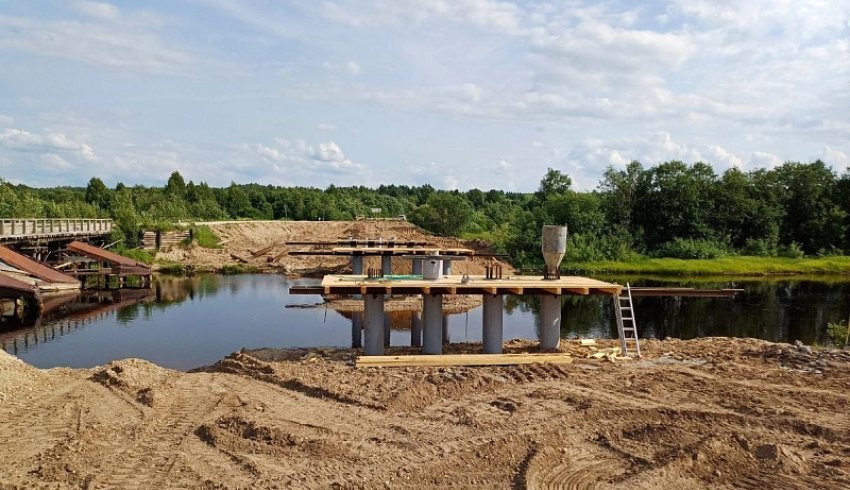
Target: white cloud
column 99, row 10
column 55, row 162
column 6, row 120
column 297, row 155
column 131, row 47
column 21, row 140
column 325, row 127
column 837, row 158
column 353, row 68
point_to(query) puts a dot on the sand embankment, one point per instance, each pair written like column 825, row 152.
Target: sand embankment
column 708, row 413
column 245, row 238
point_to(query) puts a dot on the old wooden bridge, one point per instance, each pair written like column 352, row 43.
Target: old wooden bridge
column 23, row 231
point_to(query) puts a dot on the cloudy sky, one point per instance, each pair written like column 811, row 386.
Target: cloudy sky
column 455, row 93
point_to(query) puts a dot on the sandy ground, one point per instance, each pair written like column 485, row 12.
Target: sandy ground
column 708, row 413
column 242, row 238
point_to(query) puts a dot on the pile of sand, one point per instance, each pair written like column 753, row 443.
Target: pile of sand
column 244, row 238
column 715, row 413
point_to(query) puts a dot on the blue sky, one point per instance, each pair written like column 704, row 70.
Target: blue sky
column 457, row 94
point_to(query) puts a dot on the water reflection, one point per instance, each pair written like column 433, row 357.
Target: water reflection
column 188, row 322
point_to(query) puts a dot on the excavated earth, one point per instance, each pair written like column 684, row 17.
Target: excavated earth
column 245, row 239
column 707, row 413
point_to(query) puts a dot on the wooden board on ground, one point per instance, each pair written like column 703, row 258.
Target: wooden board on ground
column 415, row 360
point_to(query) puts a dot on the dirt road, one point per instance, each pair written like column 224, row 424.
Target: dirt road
column 245, row 238
column 709, row 413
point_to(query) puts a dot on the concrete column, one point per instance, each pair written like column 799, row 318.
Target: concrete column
column 387, row 264
column 432, row 320
column 550, row 321
column 387, row 329
column 416, row 329
column 447, row 267
column 492, row 316
column 357, row 330
column 417, row 267
column 374, row 324
column 357, row 265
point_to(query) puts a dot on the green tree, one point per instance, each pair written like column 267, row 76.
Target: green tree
column 97, row 193
column 445, row 213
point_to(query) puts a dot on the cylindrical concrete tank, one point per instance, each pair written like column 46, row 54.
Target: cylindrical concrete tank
column 432, row 268
column 554, row 247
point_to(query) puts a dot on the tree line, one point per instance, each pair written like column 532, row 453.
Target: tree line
column 669, row 209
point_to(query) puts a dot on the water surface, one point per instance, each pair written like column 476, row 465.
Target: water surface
column 185, row 323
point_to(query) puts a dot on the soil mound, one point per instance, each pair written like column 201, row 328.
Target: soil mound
column 708, row 413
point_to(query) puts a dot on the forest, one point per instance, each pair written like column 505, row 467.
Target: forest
column 671, row 209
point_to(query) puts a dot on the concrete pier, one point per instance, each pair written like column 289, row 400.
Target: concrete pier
column 447, row 266
column 357, row 265
column 432, row 323
column 356, row 330
column 387, row 265
column 416, row 329
column 550, row 321
column 373, row 322
column 417, row 266
column 492, row 319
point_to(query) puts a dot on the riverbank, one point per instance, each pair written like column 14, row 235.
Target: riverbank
column 727, row 266
column 713, row 412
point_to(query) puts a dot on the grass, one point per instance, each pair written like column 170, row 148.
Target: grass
column 230, row 269
column 727, row 266
column 137, row 254
column 205, row 237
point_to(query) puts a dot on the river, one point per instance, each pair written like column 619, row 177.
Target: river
column 183, row 323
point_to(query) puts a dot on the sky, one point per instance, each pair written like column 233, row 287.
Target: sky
column 452, row 93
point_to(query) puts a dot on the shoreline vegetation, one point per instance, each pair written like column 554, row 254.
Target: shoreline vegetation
column 726, row 266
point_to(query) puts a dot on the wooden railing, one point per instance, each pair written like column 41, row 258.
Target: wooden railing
column 57, row 226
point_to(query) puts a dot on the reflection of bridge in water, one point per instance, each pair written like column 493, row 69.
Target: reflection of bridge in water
column 67, row 312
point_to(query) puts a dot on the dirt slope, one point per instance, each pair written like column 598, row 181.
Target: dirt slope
column 244, row 237
column 709, row 413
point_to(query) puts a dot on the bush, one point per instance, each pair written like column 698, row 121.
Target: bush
column 837, row 332
column 693, row 248
column 231, row 269
column 792, row 251
column 760, row 247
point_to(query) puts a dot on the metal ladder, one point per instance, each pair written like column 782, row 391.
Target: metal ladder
column 626, row 324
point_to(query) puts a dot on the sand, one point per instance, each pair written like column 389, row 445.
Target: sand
column 242, row 238
column 707, row 413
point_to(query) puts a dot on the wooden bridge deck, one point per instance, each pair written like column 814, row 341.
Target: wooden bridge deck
column 24, row 230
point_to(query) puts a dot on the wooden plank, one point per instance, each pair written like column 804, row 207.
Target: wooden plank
column 416, row 360
column 582, row 291
column 239, row 258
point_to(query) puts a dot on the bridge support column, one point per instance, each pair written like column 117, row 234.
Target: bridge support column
column 432, row 320
column 417, row 267
column 447, row 267
column 387, row 265
column 356, row 330
column 492, row 316
column 416, row 329
column 374, row 325
column 550, row 321
column 357, row 265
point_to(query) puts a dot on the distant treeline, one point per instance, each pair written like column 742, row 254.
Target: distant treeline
column 670, row 209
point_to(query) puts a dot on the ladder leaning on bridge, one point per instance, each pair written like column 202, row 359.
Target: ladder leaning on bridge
column 626, row 324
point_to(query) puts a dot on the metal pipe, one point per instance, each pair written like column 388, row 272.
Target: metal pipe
column 550, row 321
column 432, row 320
column 374, row 325
column 493, row 329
